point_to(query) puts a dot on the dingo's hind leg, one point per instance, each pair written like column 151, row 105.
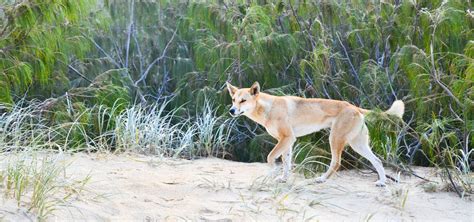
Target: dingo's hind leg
column 345, row 126
column 360, row 144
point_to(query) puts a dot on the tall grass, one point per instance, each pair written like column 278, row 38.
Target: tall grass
column 154, row 130
column 151, row 130
column 213, row 132
column 21, row 127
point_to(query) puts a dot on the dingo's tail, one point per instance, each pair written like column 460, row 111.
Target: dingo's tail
column 397, row 109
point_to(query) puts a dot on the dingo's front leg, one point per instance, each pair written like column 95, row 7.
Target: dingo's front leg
column 286, row 159
column 283, row 146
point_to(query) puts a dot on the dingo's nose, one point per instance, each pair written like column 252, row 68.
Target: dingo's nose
column 232, row 111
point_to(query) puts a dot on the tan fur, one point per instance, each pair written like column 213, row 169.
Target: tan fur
column 287, row 117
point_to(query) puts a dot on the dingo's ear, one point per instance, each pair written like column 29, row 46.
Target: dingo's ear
column 232, row 89
column 255, row 89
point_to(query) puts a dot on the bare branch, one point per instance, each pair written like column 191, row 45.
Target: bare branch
column 129, row 33
column 163, row 54
column 140, row 56
column 103, row 51
column 436, row 73
column 354, row 72
column 79, row 73
column 455, row 187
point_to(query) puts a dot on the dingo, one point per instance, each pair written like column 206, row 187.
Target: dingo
column 287, row 117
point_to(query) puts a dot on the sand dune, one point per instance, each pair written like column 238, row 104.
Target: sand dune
column 142, row 188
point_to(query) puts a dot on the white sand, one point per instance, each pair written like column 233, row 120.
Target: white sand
column 141, row 188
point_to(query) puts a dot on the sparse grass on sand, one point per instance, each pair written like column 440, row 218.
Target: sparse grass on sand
column 37, row 183
column 136, row 187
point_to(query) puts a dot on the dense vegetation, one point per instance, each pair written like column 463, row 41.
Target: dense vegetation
column 149, row 75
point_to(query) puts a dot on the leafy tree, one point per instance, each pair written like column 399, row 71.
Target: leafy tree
column 38, row 39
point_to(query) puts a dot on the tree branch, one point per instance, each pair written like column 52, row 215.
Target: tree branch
column 78, row 73
column 103, row 51
column 129, row 33
column 354, row 72
column 163, row 54
column 435, row 71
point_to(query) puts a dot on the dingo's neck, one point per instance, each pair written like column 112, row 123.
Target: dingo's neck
column 262, row 108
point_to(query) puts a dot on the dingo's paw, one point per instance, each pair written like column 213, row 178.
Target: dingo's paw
column 320, row 179
column 281, row 179
column 271, row 161
column 380, row 183
column 273, row 172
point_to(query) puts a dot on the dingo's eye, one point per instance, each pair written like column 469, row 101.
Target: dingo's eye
column 233, row 100
column 242, row 101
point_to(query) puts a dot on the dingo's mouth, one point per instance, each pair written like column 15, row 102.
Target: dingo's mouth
column 236, row 114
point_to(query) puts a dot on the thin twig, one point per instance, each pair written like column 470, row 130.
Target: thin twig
column 103, row 51
column 140, row 56
column 436, row 74
column 129, row 33
column 118, row 52
column 354, row 72
column 307, row 29
column 452, row 182
column 372, row 169
column 410, row 171
column 78, row 73
column 392, row 165
column 163, row 54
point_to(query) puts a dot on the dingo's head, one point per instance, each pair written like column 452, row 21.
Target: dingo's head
column 243, row 100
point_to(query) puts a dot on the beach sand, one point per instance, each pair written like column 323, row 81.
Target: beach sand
column 132, row 187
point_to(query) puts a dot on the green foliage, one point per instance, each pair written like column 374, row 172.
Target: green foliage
column 384, row 131
column 37, row 40
column 366, row 52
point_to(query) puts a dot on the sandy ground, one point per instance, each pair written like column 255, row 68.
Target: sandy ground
column 140, row 188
